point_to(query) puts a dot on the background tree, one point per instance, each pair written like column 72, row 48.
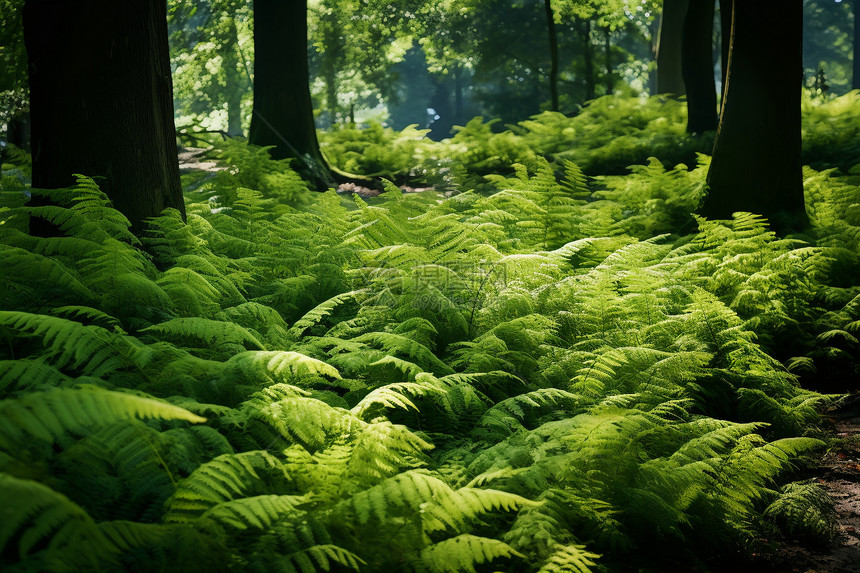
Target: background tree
column 828, row 44
column 855, row 56
column 697, row 66
column 101, row 101
column 211, row 48
column 356, row 44
column 14, row 101
column 756, row 163
column 669, row 47
column 283, row 112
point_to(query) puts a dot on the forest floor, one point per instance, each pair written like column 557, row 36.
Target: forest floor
column 839, row 474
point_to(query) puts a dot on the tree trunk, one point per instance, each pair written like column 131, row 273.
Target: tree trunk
column 553, row 53
column 855, row 80
column 458, row 97
column 669, row 76
column 101, row 101
column 588, row 53
column 698, row 68
column 283, row 112
column 725, row 41
column 756, row 160
column 234, row 82
column 610, row 77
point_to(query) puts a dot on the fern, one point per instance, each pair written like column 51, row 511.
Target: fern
column 48, row 415
column 570, row 558
column 805, row 509
column 463, row 553
column 36, row 515
column 225, row 478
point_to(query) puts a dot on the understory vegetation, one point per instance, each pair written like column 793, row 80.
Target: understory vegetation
column 543, row 364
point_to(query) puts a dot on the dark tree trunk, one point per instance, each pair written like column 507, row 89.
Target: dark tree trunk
column 855, row 80
column 553, row 54
column 698, row 68
column 610, row 77
column 669, row 76
column 588, row 53
column 725, row 41
column 756, row 160
column 101, row 101
column 283, row 113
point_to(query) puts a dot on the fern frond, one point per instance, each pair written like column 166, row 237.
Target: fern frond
column 225, row 478
column 35, row 515
column 805, row 509
column 320, row 311
column 258, row 512
column 463, row 553
column 49, row 415
column 399, row 344
column 570, row 559
column 212, row 333
column 275, row 366
column 92, row 349
column 17, row 375
column 21, row 266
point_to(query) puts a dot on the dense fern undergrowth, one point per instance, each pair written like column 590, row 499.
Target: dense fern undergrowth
column 540, row 375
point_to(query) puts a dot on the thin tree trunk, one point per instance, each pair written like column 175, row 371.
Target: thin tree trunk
column 698, row 68
column 725, row 41
column 610, row 79
column 553, row 53
column 283, row 111
column 101, row 101
column 756, row 160
column 669, row 76
column 855, row 80
column 234, row 82
column 458, row 96
column 588, row 52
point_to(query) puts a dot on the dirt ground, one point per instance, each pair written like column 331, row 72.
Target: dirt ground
column 839, row 474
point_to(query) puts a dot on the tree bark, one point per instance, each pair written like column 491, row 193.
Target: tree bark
column 234, row 82
column 697, row 66
column 283, row 111
column 669, row 76
column 855, row 79
column 588, row 53
column 610, row 77
column 553, row 54
column 725, row 40
column 101, row 101
column 756, row 163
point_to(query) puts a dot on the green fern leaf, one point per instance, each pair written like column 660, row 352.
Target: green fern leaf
column 283, row 366
column 212, row 333
column 258, row 512
column 49, row 415
column 570, row 559
column 34, row 514
column 225, row 478
column 463, row 553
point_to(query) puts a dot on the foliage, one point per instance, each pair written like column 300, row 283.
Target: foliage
column 554, row 373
